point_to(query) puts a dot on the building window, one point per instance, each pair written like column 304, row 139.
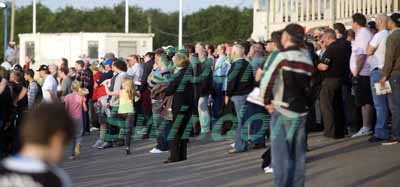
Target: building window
column 126, row 48
column 30, row 49
column 93, row 49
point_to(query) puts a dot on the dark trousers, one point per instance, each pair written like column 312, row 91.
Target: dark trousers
column 332, row 108
column 162, row 142
column 178, row 150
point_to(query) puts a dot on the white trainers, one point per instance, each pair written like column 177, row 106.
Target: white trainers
column 232, row 145
column 268, row 170
column 362, row 132
column 94, row 129
column 98, row 143
column 156, row 151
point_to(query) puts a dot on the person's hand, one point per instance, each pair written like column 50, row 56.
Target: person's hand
column 322, row 67
column 226, row 100
column 383, row 81
column 270, row 108
column 259, row 74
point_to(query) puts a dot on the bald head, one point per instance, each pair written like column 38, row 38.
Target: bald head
column 382, row 21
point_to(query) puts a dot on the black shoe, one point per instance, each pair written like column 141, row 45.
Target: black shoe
column 259, row 146
column 128, row 151
column 374, row 139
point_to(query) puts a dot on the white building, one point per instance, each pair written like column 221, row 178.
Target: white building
column 272, row 15
column 48, row 48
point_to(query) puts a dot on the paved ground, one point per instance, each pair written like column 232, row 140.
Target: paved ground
column 342, row 163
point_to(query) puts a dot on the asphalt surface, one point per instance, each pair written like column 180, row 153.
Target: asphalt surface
column 330, row 163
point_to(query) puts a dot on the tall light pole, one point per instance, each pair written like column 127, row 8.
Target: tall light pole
column 12, row 20
column 5, row 6
column 34, row 17
column 126, row 16
column 180, row 24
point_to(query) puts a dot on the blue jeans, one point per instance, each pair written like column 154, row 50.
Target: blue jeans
column 255, row 121
column 288, row 150
column 204, row 114
column 394, row 103
column 381, row 107
column 239, row 102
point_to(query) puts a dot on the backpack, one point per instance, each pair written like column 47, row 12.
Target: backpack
column 39, row 94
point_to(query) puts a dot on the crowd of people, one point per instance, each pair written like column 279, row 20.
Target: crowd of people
column 344, row 82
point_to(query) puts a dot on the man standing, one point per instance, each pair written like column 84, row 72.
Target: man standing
column 45, row 132
column 391, row 72
column 285, row 89
column 33, row 88
column 240, row 83
column 11, row 53
column 135, row 69
column 360, row 68
column 49, row 87
column 219, row 79
column 377, row 49
column 333, row 67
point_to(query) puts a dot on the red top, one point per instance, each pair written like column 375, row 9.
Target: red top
column 100, row 90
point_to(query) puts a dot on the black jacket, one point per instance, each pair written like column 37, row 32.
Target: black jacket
column 240, row 78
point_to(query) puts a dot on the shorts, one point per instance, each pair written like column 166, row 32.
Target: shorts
column 362, row 90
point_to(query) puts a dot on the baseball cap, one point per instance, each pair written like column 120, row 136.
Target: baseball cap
column 108, row 62
column 395, row 17
column 43, row 68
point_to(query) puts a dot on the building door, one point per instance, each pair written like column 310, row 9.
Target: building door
column 126, row 48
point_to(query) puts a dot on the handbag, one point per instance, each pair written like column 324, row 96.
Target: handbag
column 166, row 111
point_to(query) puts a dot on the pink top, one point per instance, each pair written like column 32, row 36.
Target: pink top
column 73, row 104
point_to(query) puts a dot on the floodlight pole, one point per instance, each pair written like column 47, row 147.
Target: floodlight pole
column 34, row 17
column 126, row 16
column 180, row 24
column 5, row 44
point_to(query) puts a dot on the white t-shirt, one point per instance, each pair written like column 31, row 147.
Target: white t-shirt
column 379, row 43
column 49, row 84
column 359, row 47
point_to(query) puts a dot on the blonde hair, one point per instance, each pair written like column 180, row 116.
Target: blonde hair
column 129, row 87
column 181, row 61
column 75, row 86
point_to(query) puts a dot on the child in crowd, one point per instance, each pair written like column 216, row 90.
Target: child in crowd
column 75, row 102
column 126, row 110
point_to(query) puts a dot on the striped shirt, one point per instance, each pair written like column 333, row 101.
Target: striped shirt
column 286, row 82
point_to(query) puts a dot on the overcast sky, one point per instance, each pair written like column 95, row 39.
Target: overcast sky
column 165, row 5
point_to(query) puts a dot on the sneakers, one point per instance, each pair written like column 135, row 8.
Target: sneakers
column 156, row 151
column 105, row 145
column 391, row 141
column 362, row 132
column 94, row 129
column 97, row 144
column 268, row 170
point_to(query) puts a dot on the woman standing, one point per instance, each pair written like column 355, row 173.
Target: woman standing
column 180, row 88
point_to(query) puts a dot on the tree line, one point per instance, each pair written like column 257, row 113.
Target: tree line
column 216, row 24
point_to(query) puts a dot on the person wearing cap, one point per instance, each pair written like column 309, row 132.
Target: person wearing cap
column 391, row 73
column 34, row 92
column 285, row 88
column 49, row 87
column 101, row 103
column 75, row 102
